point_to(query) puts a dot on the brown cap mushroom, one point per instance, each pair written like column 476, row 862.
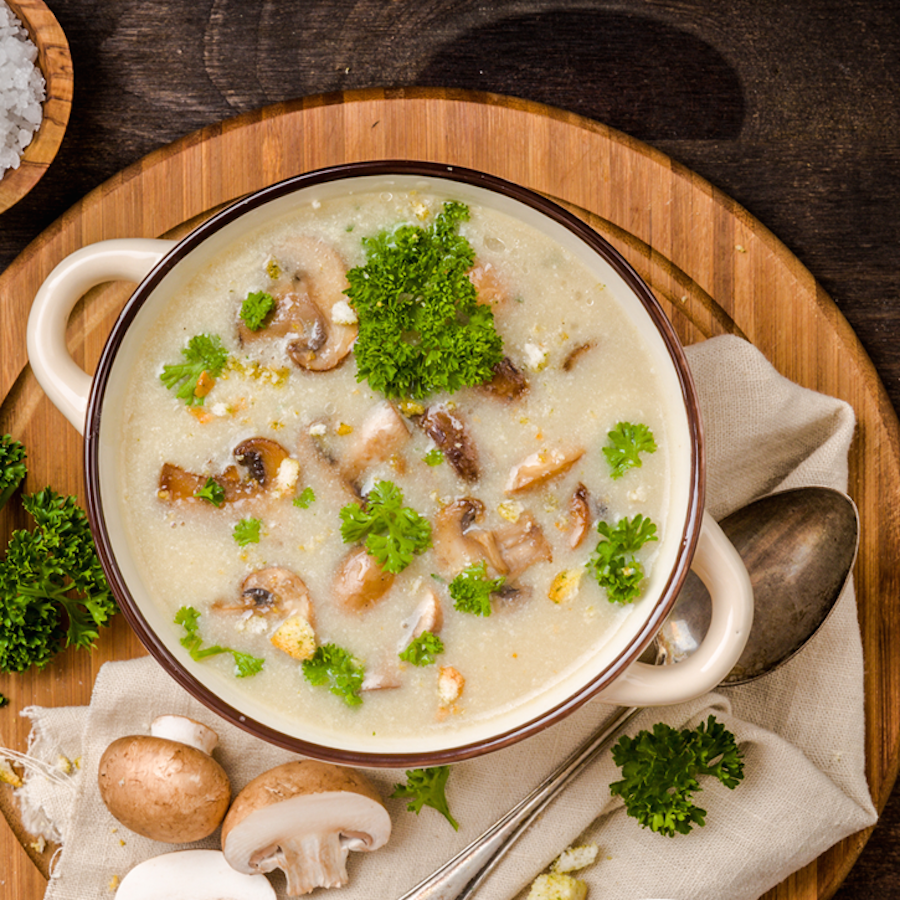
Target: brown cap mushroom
column 165, row 785
column 303, row 818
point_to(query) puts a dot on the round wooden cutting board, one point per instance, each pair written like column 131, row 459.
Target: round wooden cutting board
column 714, row 268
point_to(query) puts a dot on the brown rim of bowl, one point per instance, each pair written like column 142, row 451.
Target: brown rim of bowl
column 449, row 173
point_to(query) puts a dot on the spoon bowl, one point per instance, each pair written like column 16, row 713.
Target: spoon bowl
column 799, row 547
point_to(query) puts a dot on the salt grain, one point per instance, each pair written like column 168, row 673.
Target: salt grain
column 22, row 90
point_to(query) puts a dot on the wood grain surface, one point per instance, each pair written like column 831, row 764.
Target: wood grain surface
column 55, row 62
column 713, row 266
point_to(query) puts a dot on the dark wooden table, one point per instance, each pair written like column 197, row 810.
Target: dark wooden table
column 793, row 110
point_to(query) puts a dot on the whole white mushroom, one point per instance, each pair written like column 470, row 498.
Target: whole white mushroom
column 165, row 785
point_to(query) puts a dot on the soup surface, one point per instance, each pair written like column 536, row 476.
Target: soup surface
column 234, row 492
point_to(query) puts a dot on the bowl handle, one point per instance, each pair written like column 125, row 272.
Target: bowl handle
column 722, row 570
column 63, row 380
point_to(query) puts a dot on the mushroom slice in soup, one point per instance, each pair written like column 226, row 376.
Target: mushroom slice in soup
column 295, row 313
column 579, row 515
column 273, row 591
column 458, row 542
column 324, row 274
column 360, row 582
column 263, row 458
column 541, row 466
column 382, row 434
column 489, row 285
column 522, row 544
column 451, row 437
column 427, row 616
column 576, row 353
column 508, row 381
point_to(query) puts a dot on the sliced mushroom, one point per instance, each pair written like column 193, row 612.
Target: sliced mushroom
column 508, row 381
column 382, row 434
column 575, row 354
column 295, row 313
column 192, row 875
column 427, row 616
column 273, row 591
column 451, row 437
column 579, row 515
column 263, row 458
column 522, row 544
column 380, row 679
column 164, row 787
column 304, row 818
column 360, row 582
column 324, row 273
column 489, row 286
column 458, row 542
column 541, row 466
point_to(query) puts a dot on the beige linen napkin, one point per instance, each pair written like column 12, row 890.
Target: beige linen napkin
column 801, row 728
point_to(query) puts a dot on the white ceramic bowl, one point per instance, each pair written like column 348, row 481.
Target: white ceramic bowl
column 94, row 405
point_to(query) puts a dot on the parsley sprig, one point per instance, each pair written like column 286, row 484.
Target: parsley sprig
column 204, row 353
column 626, row 444
column 246, row 531
column 53, row 592
column 471, row 589
column 12, row 467
column 189, row 619
column 339, row 669
column 660, row 769
column 394, row 534
column 423, row 649
column 426, row 787
column 613, row 562
column 421, row 327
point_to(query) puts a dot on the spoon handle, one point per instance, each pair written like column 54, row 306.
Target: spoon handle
column 460, row 877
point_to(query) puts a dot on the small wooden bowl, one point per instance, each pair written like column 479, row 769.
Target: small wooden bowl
column 55, row 62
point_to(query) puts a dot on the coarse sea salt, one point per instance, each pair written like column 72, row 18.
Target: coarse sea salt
column 22, row 90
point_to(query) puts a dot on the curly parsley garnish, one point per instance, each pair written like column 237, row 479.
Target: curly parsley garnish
column 340, row 670
column 393, row 533
column 626, row 444
column 188, row 617
column 204, row 356
column 247, row 532
column 212, row 491
column 12, row 466
column 660, row 771
column 471, row 589
column 423, row 650
column 256, row 308
column 426, row 787
column 53, row 592
column 421, row 327
column 613, row 562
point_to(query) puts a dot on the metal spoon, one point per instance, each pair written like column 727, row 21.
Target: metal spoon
column 799, row 547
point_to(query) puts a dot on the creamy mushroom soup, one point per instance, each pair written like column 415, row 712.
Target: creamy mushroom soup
column 234, row 491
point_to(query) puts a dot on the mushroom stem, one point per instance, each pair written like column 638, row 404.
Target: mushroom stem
column 185, row 731
column 313, row 860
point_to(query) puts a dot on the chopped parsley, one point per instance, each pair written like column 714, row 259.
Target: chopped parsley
column 423, row 649
column 613, row 562
column 471, row 589
column 204, row 354
column 212, row 491
column 426, row 787
column 246, row 532
column 305, row 498
column 433, row 457
column 421, row 327
column 626, row 443
column 256, row 308
column 188, row 617
column 394, row 533
column 340, row 670
column 660, row 770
